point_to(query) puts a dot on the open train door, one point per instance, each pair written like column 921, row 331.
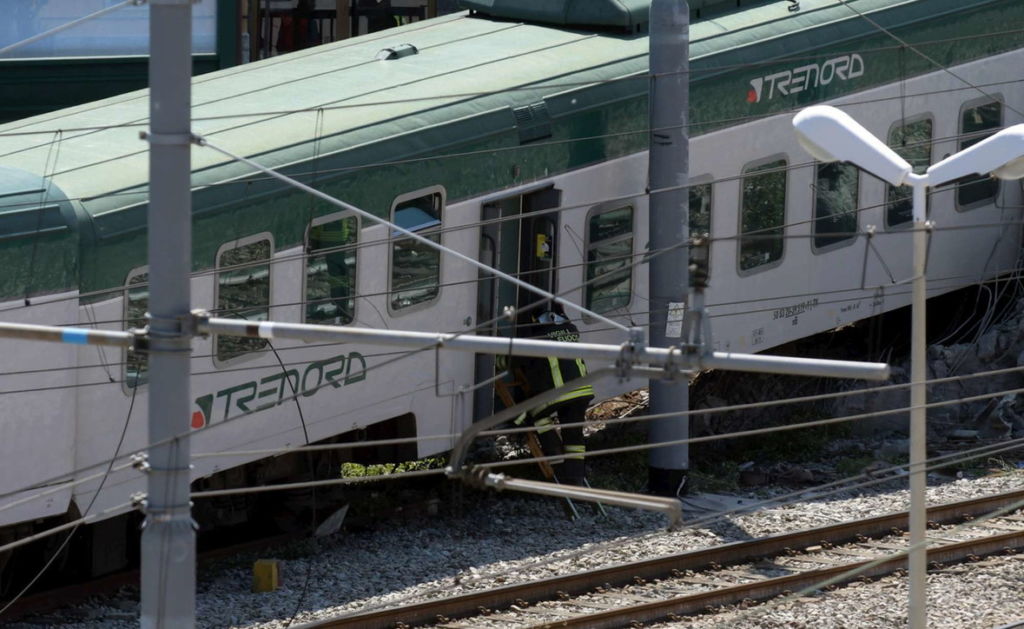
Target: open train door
column 517, row 237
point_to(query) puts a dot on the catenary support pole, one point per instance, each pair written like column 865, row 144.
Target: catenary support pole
column 168, row 538
column 668, row 222
column 918, row 558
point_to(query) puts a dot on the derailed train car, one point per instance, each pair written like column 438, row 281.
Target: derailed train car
column 514, row 136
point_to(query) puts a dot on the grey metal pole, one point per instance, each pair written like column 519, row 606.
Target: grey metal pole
column 669, row 225
column 918, row 557
column 168, row 537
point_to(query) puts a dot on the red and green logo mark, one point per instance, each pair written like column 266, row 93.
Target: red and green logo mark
column 201, row 417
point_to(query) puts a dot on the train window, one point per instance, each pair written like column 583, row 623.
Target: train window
column 609, row 259
column 136, row 303
column 415, row 266
column 762, row 213
column 243, row 291
column 835, row 203
column 913, row 142
column 331, row 270
column 976, row 124
column 700, row 216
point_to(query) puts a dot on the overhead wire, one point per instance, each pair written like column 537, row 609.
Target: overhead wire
column 754, row 612
column 284, row 398
column 119, row 289
column 690, row 413
column 833, row 488
column 965, row 280
column 511, row 89
column 969, row 280
column 70, row 24
column 697, row 439
column 624, row 198
column 915, row 49
column 548, row 143
column 67, row 539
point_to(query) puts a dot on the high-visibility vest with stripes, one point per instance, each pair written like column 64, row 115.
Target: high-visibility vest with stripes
column 559, row 371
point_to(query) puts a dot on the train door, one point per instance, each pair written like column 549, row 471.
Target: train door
column 517, row 237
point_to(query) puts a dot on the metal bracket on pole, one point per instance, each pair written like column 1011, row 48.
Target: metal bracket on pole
column 169, row 139
column 673, row 370
column 140, row 462
column 184, row 324
column 140, row 342
column 198, row 320
column 634, row 345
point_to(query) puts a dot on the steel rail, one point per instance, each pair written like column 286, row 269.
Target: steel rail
column 770, row 588
column 661, row 567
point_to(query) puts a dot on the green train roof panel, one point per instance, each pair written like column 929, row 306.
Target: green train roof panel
column 625, row 14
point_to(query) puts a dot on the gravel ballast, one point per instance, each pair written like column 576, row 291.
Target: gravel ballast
column 505, row 539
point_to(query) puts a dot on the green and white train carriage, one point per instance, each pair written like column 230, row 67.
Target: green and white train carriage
column 516, row 136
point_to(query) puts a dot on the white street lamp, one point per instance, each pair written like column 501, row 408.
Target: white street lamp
column 831, row 135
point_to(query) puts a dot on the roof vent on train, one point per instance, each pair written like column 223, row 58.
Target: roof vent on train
column 397, row 52
column 627, row 15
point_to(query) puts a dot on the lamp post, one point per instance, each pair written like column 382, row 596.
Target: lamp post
column 831, row 135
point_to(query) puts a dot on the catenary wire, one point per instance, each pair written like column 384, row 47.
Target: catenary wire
column 767, row 606
column 61, row 478
column 969, row 280
column 914, row 49
column 798, row 496
column 67, row 539
column 71, row 24
column 873, row 390
column 723, row 122
column 735, row 434
column 634, row 312
column 117, row 291
column 401, row 356
column 552, row 86
column 623, row 198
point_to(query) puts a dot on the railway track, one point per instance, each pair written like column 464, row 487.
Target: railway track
column 692, row 582
column 51, row 599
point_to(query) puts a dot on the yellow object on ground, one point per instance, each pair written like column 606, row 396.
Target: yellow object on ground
column 266, row 575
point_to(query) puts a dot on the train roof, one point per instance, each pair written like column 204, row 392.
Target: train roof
column 343, row 95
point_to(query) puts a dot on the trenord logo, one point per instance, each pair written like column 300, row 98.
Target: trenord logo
column 805, row 77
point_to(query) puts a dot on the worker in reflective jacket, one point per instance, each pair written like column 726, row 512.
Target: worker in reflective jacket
column 543, row 374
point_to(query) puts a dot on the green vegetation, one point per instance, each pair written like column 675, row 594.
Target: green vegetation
column 356, row 470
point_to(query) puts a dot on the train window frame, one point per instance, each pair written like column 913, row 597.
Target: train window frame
column 308, row 255
column 701, row 181
column 745, row 172
column 993, row 99
column 230, row 245
column 126, row 385
column 433, row 228
column 844, row 241
column 886, row 203
column 589, row 244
